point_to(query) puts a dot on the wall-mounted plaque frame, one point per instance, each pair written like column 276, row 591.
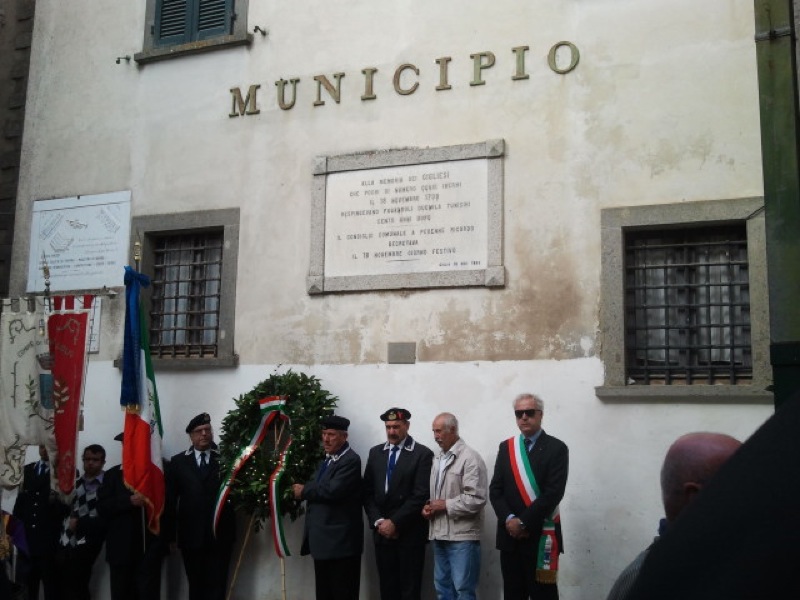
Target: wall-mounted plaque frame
column 410, row 218
column 84, row 240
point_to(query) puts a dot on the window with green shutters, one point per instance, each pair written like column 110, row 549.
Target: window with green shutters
column 176, row 28
column 184, row 21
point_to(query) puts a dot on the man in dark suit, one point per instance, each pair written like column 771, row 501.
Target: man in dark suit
column 395, row 490
column 193, row 479
column 334, row 527
column 41, row 513
column 133, row 552
column 530, row 476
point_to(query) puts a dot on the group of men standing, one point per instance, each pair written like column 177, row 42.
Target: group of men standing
column 412, row 497
column 65, row 539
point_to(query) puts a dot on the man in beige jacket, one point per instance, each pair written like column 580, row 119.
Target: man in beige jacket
column 458, row 489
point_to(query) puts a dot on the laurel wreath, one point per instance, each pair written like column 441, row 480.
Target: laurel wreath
column 306, row 406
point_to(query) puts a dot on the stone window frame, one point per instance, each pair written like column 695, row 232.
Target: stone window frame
column 143, row 228
column 492, row 276
column 151, row 52
column 614, row 222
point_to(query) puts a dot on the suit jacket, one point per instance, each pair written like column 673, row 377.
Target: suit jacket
column 407, row 493
column 334, row 525
column 125, row 522
column 40, row 511
column 549, row 460
column 190, row 503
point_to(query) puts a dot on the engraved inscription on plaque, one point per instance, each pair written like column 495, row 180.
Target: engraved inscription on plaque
column 83, row 239
column 407, row 219
column 410, row 218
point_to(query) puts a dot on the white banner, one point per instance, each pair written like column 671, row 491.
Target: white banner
column 26, row 410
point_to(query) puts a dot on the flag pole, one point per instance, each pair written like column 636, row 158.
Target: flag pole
column 137, row 258
column 137, row 251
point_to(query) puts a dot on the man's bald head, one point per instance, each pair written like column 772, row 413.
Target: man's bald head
column 690, row 462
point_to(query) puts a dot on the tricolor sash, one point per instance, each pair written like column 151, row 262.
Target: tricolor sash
column 271, row 408
column 547, row 555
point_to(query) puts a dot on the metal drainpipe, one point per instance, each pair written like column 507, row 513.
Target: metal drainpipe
column 777, row 86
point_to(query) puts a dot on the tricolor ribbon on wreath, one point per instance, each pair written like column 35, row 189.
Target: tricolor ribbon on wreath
column 547, row 554
column 271, row 409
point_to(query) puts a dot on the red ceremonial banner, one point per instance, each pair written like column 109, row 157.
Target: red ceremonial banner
column 68, row 337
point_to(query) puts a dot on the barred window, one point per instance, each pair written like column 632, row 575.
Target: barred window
column 185, row 302
column 687, row 306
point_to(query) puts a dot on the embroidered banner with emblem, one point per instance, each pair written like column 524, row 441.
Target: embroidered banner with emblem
column 26, row 403
column 547, row 555
column 271, row 409
column 67, row 329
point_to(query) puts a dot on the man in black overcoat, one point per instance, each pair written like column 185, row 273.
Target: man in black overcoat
column 395, row 490
column 334, row 525
column 193, row 479
column 133, row 552
column 519, row 524
column 41, row 513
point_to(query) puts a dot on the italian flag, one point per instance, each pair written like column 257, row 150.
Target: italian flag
column 142, row 468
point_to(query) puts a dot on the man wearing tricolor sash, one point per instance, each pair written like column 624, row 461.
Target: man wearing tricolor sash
column 530, row 476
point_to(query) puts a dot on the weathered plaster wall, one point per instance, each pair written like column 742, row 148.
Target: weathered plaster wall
column 662, row 108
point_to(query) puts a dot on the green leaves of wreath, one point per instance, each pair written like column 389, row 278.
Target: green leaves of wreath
column 307, row 405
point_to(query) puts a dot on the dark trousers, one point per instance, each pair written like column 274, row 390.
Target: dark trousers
column 519, row 576
column 338, row 579
column 43, row 571
column 74, row 566
column 400, row 570
column 140, row 579
column 207, row 571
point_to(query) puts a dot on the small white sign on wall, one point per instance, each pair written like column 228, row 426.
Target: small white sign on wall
column 83, row 239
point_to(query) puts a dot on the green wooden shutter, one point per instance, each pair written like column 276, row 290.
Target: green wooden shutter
column 172, row 22
column 214, row 18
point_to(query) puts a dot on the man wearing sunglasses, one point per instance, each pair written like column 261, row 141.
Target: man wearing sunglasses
column 530, row 476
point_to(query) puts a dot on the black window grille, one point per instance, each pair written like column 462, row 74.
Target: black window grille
column 185, row 302
column 687, row 306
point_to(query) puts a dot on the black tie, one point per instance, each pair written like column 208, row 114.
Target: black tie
column 203, row 462
column 528, row 444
